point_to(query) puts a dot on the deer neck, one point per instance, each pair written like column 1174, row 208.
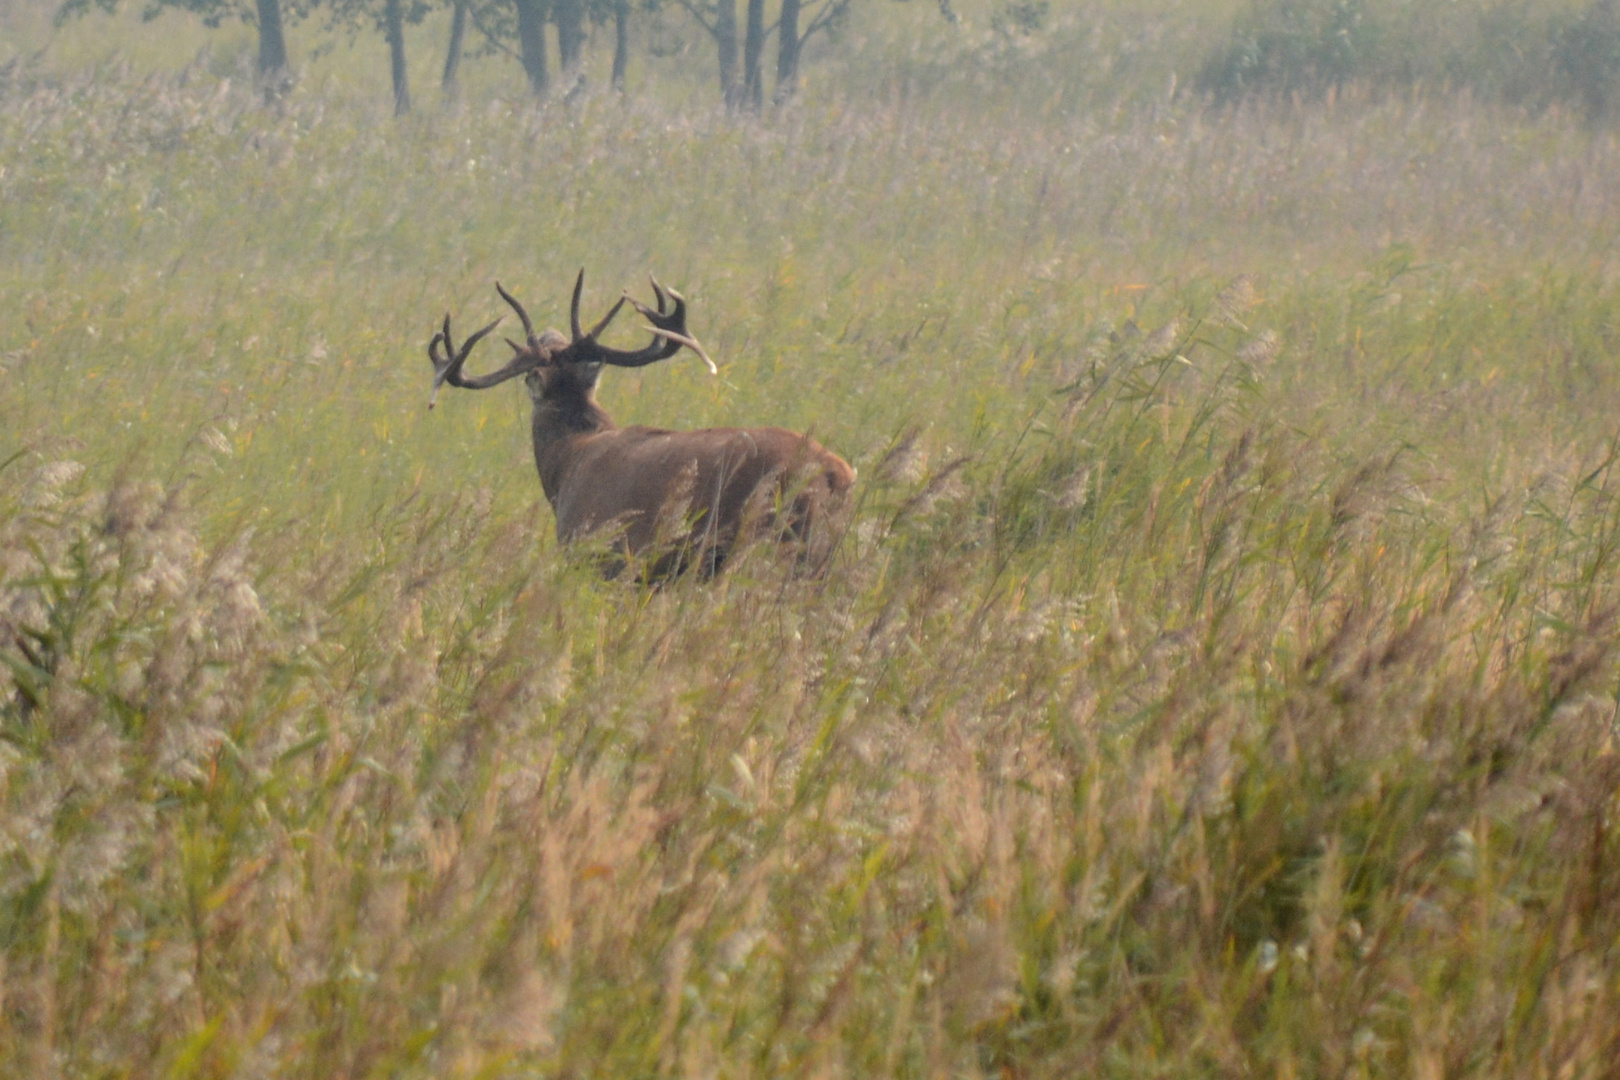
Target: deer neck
column 558, row 425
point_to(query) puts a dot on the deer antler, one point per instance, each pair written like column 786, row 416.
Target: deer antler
column 668, row 330
column 667, row 325
column 447, row 368
column 573, row 312
column 671, row 328
column 528, row 327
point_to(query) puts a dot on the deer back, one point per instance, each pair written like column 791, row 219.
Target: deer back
column 698, row 489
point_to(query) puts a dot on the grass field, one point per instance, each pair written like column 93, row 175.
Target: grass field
column 1218, row 676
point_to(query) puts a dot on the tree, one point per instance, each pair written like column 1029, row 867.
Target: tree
column 621, row 41
column 524, row 21
column 531, row 31
column 788, row 45
column 725, row 32
column 394, row 29
column 823, row 17
column 272, row 42
column 720, row 20
column 570, row 18
column 451, row 82
column 500, row 22
column 753, row 92
column 274, row 72
column 1586, row 56
column 390, row 17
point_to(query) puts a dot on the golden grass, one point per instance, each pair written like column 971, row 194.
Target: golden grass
column 1218, row 676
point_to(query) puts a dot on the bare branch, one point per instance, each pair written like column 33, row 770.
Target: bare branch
column 713, row 30
column 830, row 12
column 472, row 13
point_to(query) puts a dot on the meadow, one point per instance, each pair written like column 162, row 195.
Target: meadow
column 1218, row 674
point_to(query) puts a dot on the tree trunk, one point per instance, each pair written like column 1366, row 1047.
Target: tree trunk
column 787, row 55
column 725, row 36
column 451, row 84
column 570, row 16
column 272, row 47
column 394, row 20
column 532, row 43
column 753, row 56
column 621, row 41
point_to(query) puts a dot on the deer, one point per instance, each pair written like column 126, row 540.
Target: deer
column 665, row 499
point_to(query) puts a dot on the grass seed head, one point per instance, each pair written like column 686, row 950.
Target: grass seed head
column 1261, row 349
column 1236, row 300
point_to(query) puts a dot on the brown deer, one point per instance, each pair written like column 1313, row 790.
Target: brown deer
column 667, row 497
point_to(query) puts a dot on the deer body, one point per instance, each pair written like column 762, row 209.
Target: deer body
column 669, row 496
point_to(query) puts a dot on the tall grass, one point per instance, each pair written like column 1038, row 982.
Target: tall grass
column 1218, row 674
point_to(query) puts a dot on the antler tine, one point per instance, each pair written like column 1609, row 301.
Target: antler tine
column 673, row 320
column 645, row 311
column 658, row 291
column 478, row 336
column 441, row 337
column 573, row 308
column 602, row 325
column 447, row 365
column 688, row 341
column 528, row 327
column 664, row 329
column 441, row 364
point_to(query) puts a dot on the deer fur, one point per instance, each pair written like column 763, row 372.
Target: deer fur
column 671, row 499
